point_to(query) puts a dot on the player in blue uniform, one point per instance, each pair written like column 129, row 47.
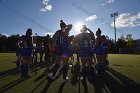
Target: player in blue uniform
column 99, row 50
column 85, row 50
column 61, row 41
column 18, row 53
column 105, row 44
column 26, row 53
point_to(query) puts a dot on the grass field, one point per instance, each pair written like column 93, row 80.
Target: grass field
column 124, row 69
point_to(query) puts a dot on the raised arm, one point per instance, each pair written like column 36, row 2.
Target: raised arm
column 55, row 36
column 91, row 34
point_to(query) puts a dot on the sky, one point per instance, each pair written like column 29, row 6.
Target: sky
column 43, row 16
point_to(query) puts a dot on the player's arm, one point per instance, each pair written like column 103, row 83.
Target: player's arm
column 97, row 41
column 19, row 44
column 91, row 34
column 55, row 36
column 31, row 41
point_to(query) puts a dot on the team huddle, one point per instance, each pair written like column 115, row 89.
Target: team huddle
column 90, row 51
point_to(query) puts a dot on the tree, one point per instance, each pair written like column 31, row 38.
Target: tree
column 121, row 43
column 112, row 45
column 130, row 41
column 3, row 39
column 11, row 42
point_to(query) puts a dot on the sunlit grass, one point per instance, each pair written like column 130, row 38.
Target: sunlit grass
column 126, row 64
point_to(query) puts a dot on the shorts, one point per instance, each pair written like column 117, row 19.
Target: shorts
column 105, row 51
column 99, row 51
column 64, row 51
column 85, row 52
column 18, row 52
column 26, row 52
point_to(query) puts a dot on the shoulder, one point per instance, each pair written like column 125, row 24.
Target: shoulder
column 79, row 35
column 58, row 32
column 99, row 38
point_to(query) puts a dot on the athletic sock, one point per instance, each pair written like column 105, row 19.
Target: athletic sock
column 17, row 65
column 92, row 72
column 26, row 70
column 22, row 70
column 55, row 68
column 99, row 69
column 103, row 67
column 65, row 70
column 84, row 73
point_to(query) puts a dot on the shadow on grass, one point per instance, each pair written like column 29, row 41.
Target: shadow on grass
column 10, row 85
column 61, row 88
column 111, row 82
column 13, row 71
column 114, row 82
column 123, row 65
column 50, row 81
column 33, row 90
column 8, row 72
column 130, row 85
column 75, row 71
column 85, row 87
column 39, row 77
column 45, row 89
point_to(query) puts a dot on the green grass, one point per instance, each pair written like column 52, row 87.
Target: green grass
column 7, row 61
column 125, row 64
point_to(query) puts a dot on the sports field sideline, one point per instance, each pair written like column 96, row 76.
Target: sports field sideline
column 122, row 74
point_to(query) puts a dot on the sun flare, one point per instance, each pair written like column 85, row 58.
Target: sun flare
column 78, row 26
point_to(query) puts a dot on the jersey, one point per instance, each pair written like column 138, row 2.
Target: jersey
column 62, row 41
column 99, row 49
column 27, row 46
column 84, row 43
column 105, row 47
column 27, row 42
column 83, row 40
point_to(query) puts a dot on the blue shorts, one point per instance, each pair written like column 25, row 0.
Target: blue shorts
column 85, row 52
column 64, row 51
column 18, row 52
column 70, row 52
column 105, row 51
column 26, row 52
column 99, row 51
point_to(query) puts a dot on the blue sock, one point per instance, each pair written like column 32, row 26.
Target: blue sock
column 17, row 65
column 22, row 70
column 92, row 72
column 100, row 68
column 84, row 73
column 65, row 70
column 26, row 70
column 103, row 66
column 55, row 68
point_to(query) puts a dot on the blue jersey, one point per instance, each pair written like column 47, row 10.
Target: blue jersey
column 85, row 46
column 63, row 44
column 27, row 42
column 100, row 49
column 62, row 41
column 27, row 46
column 84, row 41
column 105, row 47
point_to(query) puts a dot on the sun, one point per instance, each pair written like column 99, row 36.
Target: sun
column 78, row 26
